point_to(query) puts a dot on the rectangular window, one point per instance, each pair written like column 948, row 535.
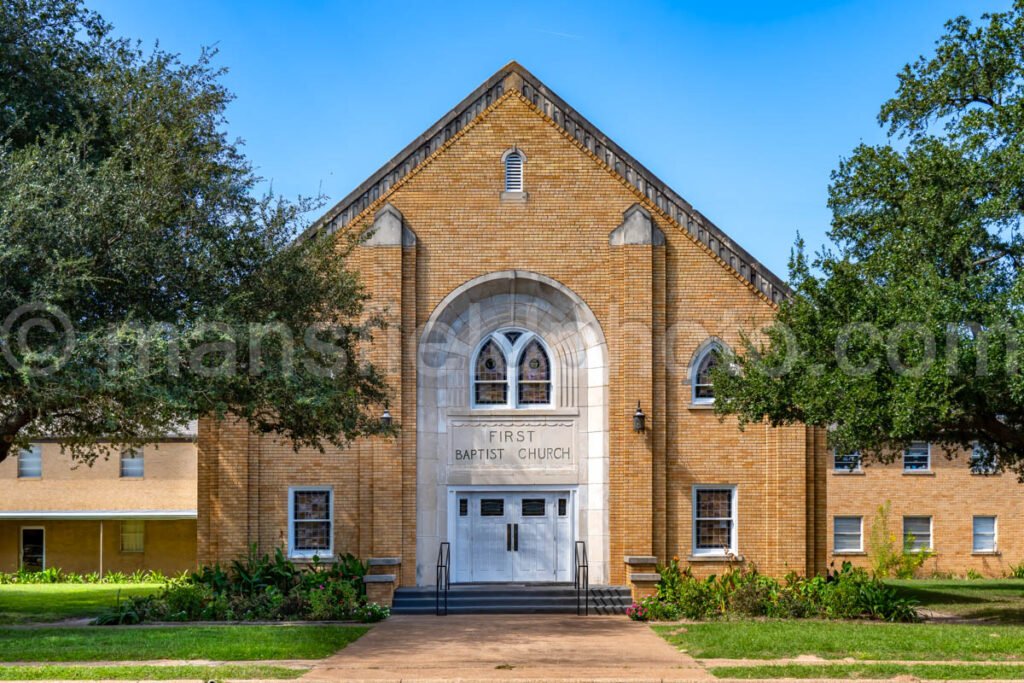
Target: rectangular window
column 917, row 457
column 849, row 462
column 847, row 534
column 982, row 461
column 492, row 507
column 310, row 522
column 714, row 520
column 133, row 536
column 917, row 533
column 30, row 463
column 132, row 464
column 984, row 534
column 534, row 507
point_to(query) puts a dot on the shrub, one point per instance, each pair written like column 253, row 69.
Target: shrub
column 1017, row 571
column 637, row 612
column 256, row 587
column 886, row 560
column 371, row 612
column 847, row 593
column 57, row 575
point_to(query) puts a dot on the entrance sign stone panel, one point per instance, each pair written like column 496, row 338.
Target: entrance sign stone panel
column 512, row 444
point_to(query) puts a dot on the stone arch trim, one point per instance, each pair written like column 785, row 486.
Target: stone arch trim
column 580, row 360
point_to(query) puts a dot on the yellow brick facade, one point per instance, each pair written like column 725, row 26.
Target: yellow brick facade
column 81, row 508
column 656, row 304
column 950, row 494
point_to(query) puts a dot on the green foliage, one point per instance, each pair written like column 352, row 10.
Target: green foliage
column 848, row 593
column 1017, row 571
column 371, row 612
column 57, row 575
column 889, row 556
column 909, row 326
column 259, row 587
column 132, row 226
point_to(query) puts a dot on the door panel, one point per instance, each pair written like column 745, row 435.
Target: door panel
column 535, row 555
column 491, row 519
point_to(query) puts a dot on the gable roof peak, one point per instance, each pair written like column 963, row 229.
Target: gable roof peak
column 514, row 77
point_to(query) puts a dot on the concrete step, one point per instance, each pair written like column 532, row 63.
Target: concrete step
column 512, row 599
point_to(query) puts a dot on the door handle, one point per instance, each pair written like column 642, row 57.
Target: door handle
column 516, row 532
column 508, row 537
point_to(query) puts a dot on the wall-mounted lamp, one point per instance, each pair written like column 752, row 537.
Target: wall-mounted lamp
column 639, row 420
column 385, row 419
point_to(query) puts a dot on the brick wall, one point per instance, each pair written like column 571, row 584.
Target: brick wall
column 950, row 494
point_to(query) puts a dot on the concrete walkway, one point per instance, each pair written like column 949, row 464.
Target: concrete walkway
column 508, row 647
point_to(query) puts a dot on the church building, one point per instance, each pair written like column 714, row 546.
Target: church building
column 554, row 310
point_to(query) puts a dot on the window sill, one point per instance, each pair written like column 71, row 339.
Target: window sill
column 731, row 559
column 515, row 197
column 849, row 553
column 701, row 406
column 848, row 473
column 986, row 553
column 308, row 559
column 542, row 411
column 918, row 473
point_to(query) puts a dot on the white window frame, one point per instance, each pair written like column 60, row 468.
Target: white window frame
column 994, row 534
column 713, row 346
column 121, row 536
column 141, row 458
column 835, row 534
column 734, row 531
column 21, row 543
column 931, row 533
column 308, row 554
column 522, row 170
column 836, row 467
column 512, row 353
column 928, row 466
column 37, row 451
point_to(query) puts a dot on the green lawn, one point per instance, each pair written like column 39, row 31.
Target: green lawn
column 147, row 673
column 220, row 643
column 998, row 600
column 944, row 672
column 771, row 639
column 22, row 603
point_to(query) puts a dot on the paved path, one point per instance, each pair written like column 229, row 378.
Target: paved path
column 508, row 647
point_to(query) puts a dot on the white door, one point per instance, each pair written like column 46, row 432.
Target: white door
column 534, row 539
column 512, row 536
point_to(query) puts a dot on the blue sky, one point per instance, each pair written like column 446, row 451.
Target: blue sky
column 743, row 107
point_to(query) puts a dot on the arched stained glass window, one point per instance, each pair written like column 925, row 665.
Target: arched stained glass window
column 512, row 369
column 703, row 389
column 534, row 375
column 491, row 375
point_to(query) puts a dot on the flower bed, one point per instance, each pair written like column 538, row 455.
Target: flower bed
column 847, row 593
column 259, row 588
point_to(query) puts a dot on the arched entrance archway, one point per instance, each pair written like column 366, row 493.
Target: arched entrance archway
column 498, row 481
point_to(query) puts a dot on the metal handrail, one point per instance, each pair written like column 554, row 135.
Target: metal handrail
column 443, row 578
column 582, row 579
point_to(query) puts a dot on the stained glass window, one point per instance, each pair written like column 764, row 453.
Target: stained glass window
column 703, row 389
column 534, row 375
column 311, row 520
column 491, row 382
column 713, row 521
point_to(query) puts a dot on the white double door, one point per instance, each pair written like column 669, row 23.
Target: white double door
column 513, row 536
